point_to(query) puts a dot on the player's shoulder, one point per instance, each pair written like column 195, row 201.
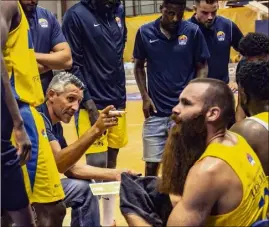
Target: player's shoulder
column 45, row 14
column 77, row 8
column 8, row 8
column 8, row 4
column 43, row 11
column 147, row 26
column 253, row 132
column 208, row 167
column 224, row 20
column 247, row 126
column 189, row 25
column 78, row 12
column 189, row 28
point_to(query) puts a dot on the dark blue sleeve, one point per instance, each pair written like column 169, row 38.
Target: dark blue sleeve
column 139, row 48
column 200, row 47
column 236, row 36
column 49, row 131
column 121, row 14
column 56, row 33
column 125, row 27
column 73, row 34
column 60, row 133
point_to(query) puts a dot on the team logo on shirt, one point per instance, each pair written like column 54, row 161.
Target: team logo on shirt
column 182, row 40
column 43, row 23
column 118, row 20
column 250, row 159
column 44, row 133
column 221, row 36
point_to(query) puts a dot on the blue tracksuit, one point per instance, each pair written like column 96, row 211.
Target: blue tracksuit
column 97, row 43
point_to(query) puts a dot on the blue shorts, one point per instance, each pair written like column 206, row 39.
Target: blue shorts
column 13, row 193
column 155, row 134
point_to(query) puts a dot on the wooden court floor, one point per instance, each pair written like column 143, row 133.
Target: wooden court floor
column 130, row 156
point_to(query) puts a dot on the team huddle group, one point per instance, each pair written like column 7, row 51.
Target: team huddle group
column 213, row 150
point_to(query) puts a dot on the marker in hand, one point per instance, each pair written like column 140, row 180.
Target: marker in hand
column 117, row 112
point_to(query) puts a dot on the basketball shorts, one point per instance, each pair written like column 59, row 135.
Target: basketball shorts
column 13, row 193
column 41, row 176
column 115, row 137
column 155, row 134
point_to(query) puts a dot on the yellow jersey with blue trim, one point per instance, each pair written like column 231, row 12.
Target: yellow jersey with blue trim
column 262, row 119
column 20, row 60
column 245, row 163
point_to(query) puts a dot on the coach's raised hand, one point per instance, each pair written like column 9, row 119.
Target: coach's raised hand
column 107, row 119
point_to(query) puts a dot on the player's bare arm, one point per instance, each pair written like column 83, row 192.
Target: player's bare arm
column 9, row 18
column 67, row 157
column 140, row 76
column 59, row 58
column 9, row 10
column 202, row 190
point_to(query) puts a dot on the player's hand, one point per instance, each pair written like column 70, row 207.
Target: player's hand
column 147, row 106
column 23, row 144
column 118, row 173
column 233, row 86
column 92, row 110
column 107, row 119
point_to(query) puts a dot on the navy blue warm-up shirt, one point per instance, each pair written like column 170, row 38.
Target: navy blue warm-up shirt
column 223, row 35
column 46, row 33
column 97, row 41
column 171, row 63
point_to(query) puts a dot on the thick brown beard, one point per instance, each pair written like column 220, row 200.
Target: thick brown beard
column 185, row 145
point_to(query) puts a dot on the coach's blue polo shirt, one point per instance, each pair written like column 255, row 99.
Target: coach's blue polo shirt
column 54, row 132
column 223, row 35
column 171, row 63
column 46, row 33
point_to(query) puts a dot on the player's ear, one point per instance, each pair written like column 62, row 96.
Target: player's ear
column 213, row 114
column 51, row 94
column 194, row 8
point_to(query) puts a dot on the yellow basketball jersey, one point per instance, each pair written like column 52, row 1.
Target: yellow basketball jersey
column 248, row 168
column 263, row 119
column 19, row 57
